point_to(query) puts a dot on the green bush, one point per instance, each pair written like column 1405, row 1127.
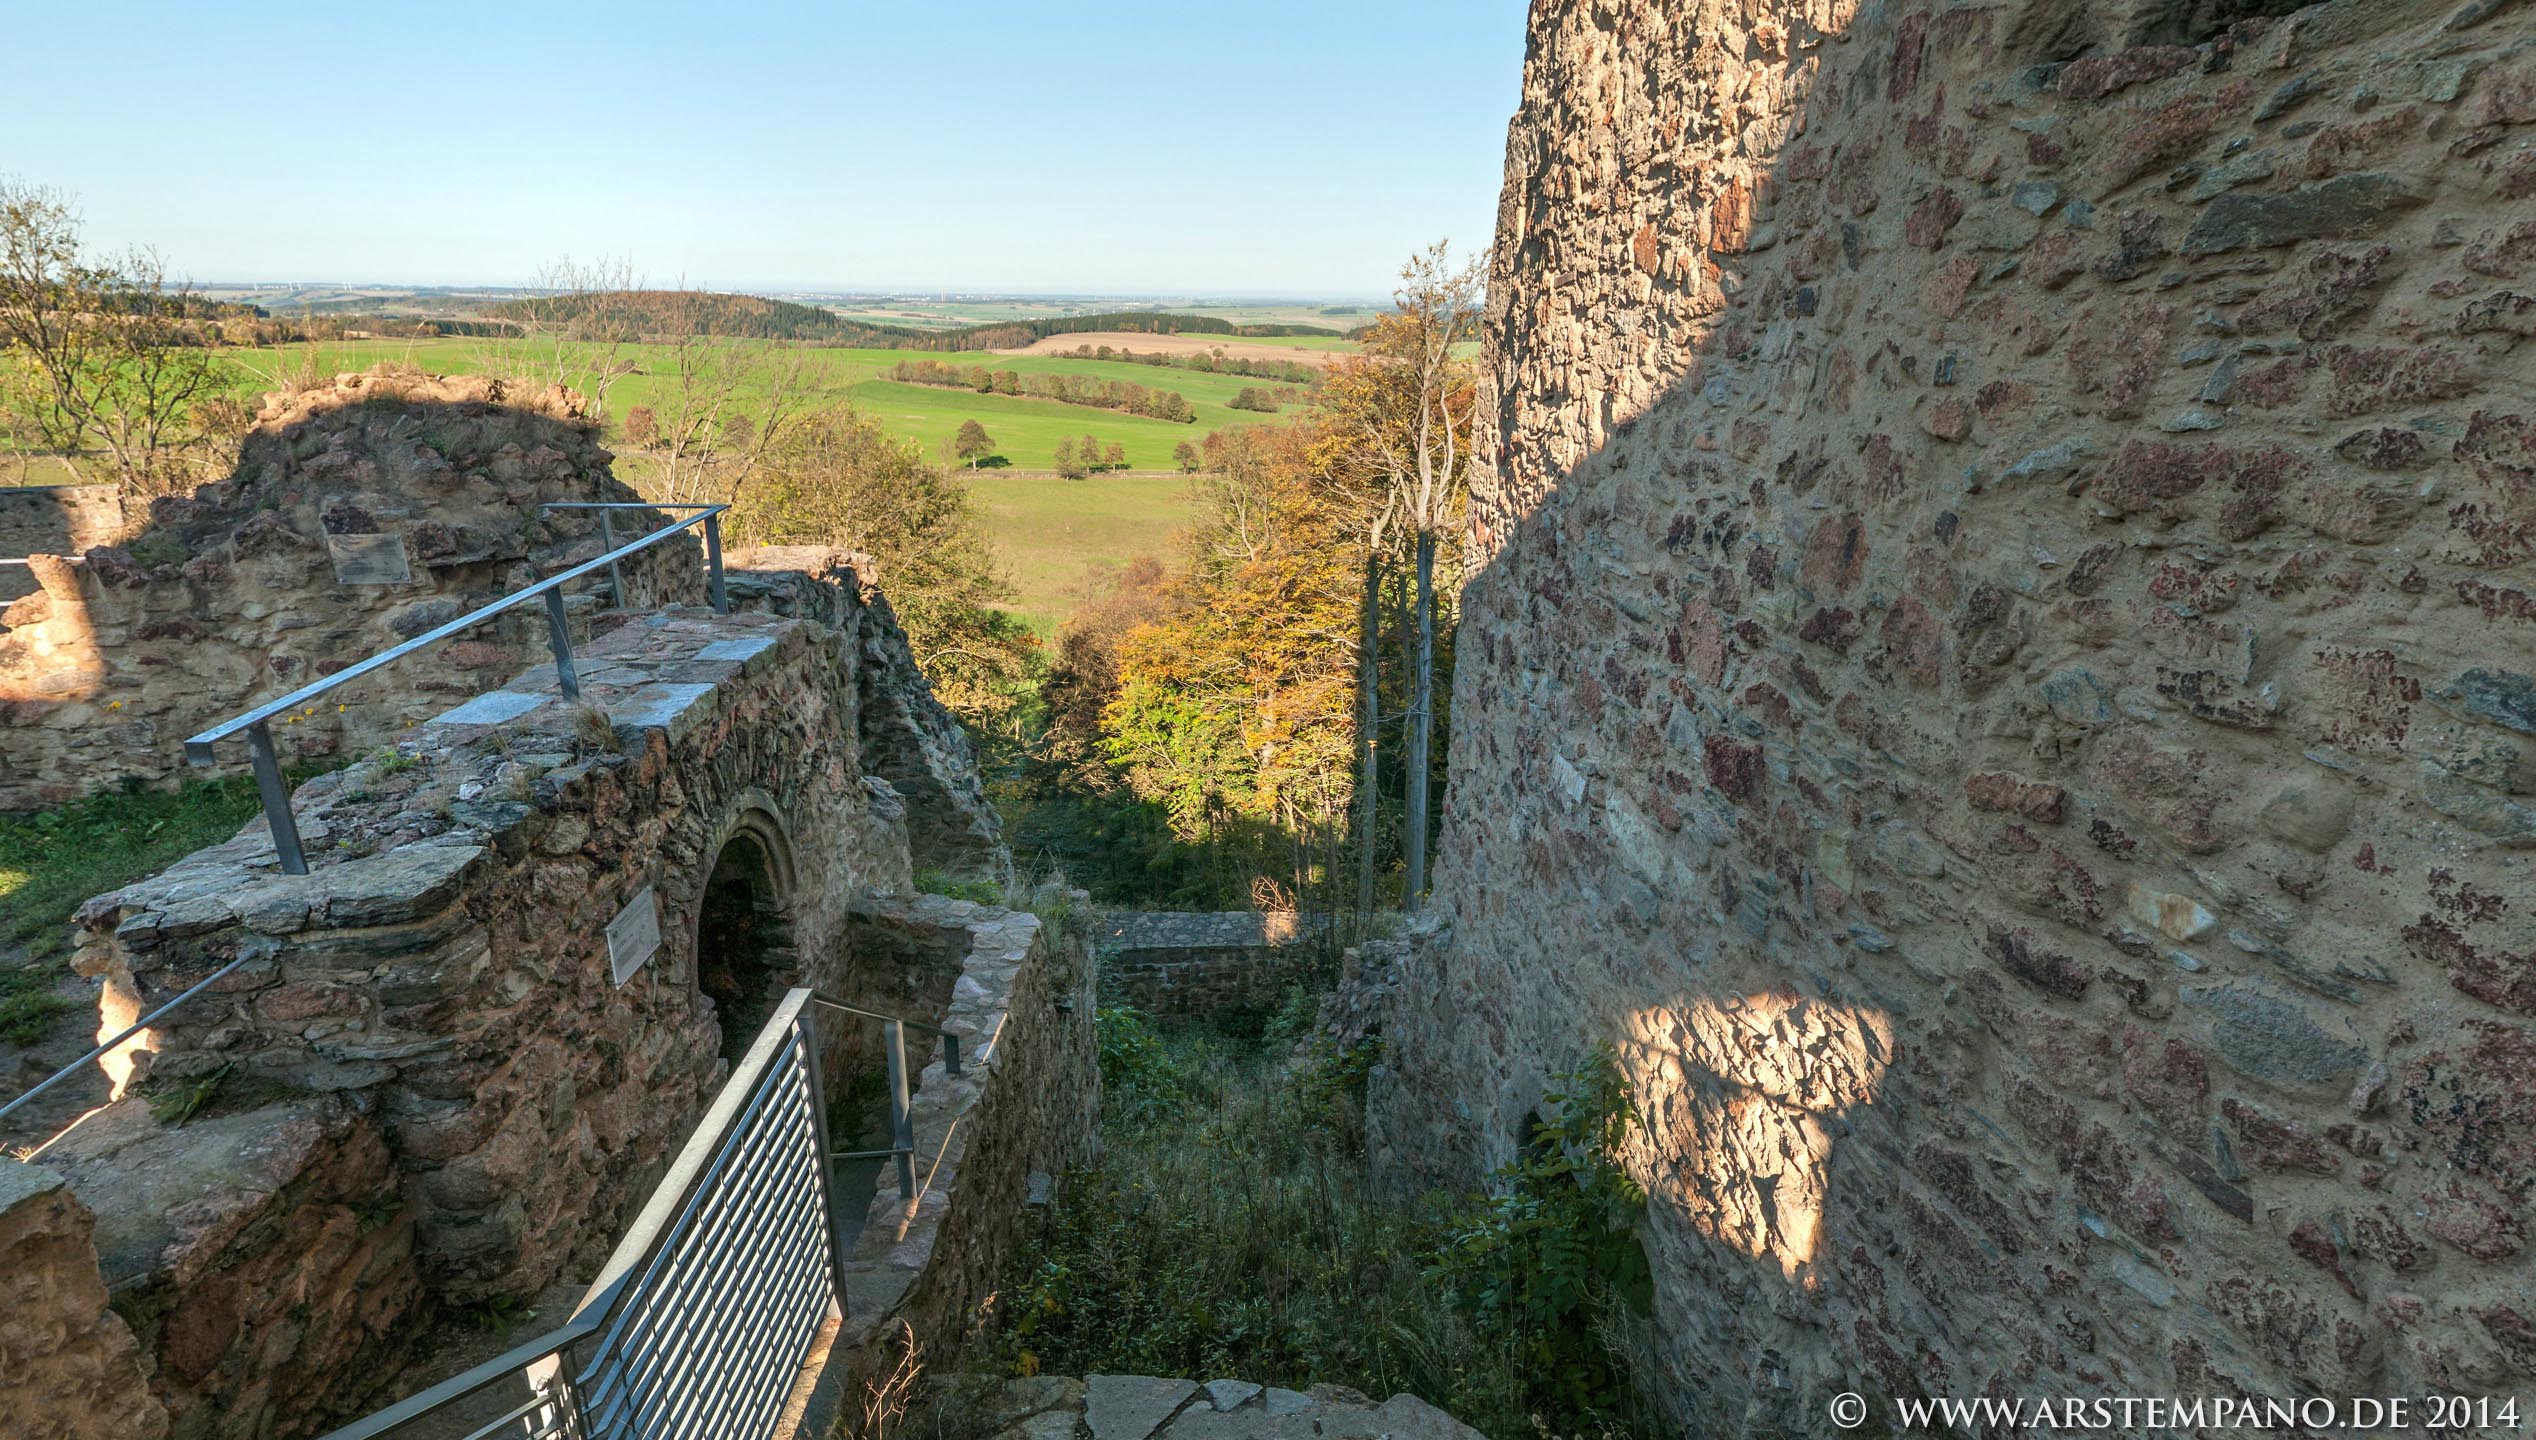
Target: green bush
column 1227, row 1232
column 1555, row 1236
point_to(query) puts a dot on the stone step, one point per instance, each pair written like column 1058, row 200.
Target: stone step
column 1146, row 1407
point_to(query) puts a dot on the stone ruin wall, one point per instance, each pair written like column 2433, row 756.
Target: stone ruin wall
column 1211, row 963
column 360, row 515
column 54, row 520
column 1999, row 682
column 424, row 1087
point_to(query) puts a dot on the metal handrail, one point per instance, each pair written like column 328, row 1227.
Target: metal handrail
column 135, row 1028
column 902, row 1130
column 667, row 1218
column 275, row 792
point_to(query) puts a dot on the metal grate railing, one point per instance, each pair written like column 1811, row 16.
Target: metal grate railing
column 701, row 1320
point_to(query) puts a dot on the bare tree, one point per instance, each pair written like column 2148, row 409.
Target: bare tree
column 108, row 355
column 707, row 381
column 1420, row 433
column 587, row 321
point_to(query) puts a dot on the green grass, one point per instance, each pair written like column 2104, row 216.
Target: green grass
column 52, row 860
column 1026, row 431
column 1055, row 536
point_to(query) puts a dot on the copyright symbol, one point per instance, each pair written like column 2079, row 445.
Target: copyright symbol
column 1849, row 1410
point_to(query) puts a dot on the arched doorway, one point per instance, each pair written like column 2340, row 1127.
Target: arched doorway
column 742, row 948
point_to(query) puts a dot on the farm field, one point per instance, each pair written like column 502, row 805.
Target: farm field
column 1057, row 538
column 1026, row 431
column 1050, row 532
column 1297, row 348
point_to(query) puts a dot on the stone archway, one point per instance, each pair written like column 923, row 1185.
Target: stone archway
column 744, row 950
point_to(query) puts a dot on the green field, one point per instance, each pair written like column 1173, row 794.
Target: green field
column 1026, row 431
column 1059, row 539
column 1050, row 533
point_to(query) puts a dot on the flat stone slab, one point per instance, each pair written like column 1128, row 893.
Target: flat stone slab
column 1229, row 1394
column 1144, row 1407
column 657, row 706
column 736, row 649
column 490, row 709
column 1131, row 1407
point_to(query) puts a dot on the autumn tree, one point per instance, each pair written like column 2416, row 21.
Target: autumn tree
column 582, row 326
column 702, row 382
column 836, row 477
column 1185, row 455
column 972, row 443
column 103, row 355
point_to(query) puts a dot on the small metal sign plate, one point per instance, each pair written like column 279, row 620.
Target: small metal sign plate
column 370, row 559
column 633, row 935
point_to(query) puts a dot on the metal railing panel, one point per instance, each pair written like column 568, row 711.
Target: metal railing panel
column 702, row 1317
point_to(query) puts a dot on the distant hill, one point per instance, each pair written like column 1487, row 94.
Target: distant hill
column 747, row 317
column 756, row 318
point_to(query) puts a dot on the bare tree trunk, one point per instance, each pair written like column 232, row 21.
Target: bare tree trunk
column 1369, row 710
column 1421, row 726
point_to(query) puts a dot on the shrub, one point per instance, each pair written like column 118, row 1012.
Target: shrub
column 1556, row 1236
column 1228, row 1232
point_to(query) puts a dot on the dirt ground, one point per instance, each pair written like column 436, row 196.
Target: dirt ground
column 1174, row 345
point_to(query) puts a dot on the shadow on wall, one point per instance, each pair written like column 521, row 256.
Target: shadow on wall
column 1993, row 671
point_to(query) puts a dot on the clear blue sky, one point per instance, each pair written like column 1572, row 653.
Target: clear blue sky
column 1299, row 147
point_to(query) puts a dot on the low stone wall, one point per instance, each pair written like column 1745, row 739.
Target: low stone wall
column 489, row 1099
column 69, row 1369
column 1197, row 963
column 54, row 520
column 1026, row 1104
column 262, row 1258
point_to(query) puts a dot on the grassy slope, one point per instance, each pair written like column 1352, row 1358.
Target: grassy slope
column 1055, row 534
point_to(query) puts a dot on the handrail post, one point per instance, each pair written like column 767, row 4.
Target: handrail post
column 902, row 1130
column 559, row 635
column 616, row 573
column 277, row 800
column 817, row 1077
column 713, row 564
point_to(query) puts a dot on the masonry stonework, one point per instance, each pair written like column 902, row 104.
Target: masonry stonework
column 429, row 1082
column 1998, row 680
column 71, row 1367
column 362, row 513
column 1205, row 963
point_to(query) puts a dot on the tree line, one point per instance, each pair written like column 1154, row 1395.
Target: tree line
column 1066, row 389
column 1212, row 362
